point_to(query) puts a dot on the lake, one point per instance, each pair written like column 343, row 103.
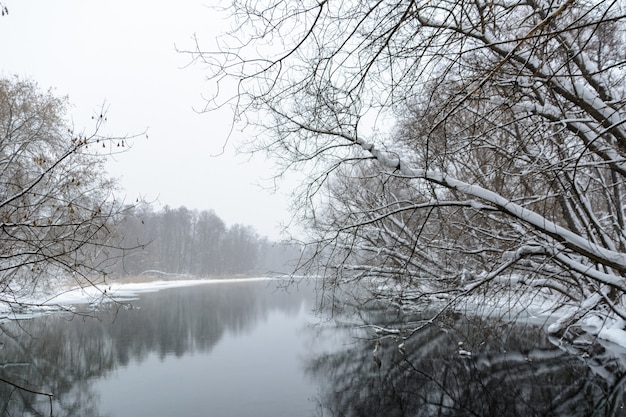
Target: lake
column 252, row 348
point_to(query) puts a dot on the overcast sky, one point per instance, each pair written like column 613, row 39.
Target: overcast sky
column 122, row 54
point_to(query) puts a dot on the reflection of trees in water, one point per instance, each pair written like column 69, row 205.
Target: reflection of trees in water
column 63, row 354
column 513, row 370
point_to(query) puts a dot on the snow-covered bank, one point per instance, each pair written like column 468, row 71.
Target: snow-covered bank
column 512, row 299
column 65, row 300
column 556, row 317
column 130, row 291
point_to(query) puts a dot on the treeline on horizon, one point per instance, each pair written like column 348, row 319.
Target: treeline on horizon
column 199, row 243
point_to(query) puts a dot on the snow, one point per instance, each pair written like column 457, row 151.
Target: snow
column 120, row 291
column 610, row 330
column 566, row 237
column 613, row 334
column 65, row 300
column 465, row 353
column 538, row 309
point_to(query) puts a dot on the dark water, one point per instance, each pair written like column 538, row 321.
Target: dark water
column 250, row 349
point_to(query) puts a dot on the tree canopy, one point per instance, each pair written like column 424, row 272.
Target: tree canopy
column 181, row 241
column 57, row 207
column 454, row 147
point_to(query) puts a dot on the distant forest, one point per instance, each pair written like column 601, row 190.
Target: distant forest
column 198, row 243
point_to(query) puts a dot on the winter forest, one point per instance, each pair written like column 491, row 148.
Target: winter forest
column 175, row 242
column 461, row 161
column 458, row 148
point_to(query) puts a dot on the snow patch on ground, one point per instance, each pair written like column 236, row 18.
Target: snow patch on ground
column 613, row 334
column 520, row 302
column 126, row 291
column 611, row 330
column 65, row 300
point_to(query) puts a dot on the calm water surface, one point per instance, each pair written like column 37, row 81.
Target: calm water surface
column 252, row 349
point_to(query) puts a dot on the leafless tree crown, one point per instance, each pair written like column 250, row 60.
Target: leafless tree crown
column 460, row 145
column 57, row 209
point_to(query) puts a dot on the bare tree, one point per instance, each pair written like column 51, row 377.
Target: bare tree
column 57, row 208
column 482, row 143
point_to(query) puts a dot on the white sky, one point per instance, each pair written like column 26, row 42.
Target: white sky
column 122, row 54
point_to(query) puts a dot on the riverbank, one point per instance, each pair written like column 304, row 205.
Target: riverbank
column 65, row 298
column 154, row 276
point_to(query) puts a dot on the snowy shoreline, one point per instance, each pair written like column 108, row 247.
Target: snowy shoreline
column 65, row 300
column 59, row 300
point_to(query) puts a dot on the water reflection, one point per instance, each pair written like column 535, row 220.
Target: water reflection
column 463, row 366
column 513, row 369
column 65, row 355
